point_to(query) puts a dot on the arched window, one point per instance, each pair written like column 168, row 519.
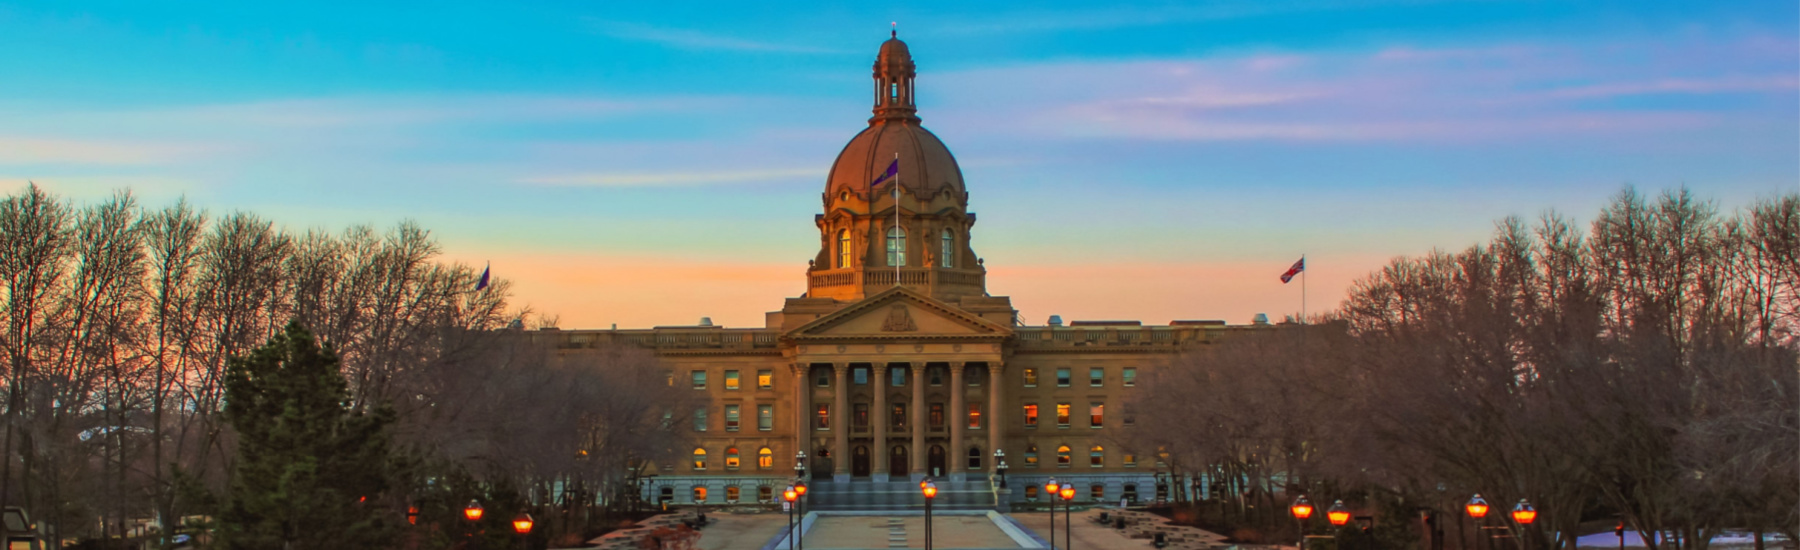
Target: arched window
column 949, row 250
column 765, row 458
column 896, row 247
column 844, row 248
column 1097, row 456
column 699, row 459
column 974, row 457
column 1062, row 456
column 731, row 494
column 731, row 458
column 699, row 494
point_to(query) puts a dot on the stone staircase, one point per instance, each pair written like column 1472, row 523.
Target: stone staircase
column 833, row 496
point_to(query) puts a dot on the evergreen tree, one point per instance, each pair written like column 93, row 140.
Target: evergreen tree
column 309, row 473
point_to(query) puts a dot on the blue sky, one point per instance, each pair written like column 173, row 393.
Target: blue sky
column 651, row 163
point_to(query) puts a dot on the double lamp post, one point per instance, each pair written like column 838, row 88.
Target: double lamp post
column 521, row 523
column 1523, row 513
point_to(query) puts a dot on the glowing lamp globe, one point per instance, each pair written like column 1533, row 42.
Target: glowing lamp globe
column 1524, row 513
column 1302, row 509
column 800, row 489
column 1068, row 492
column 790, row 494
column 473, row 511
column 522, row 523
column 1338, row 514
column 1050, row 487
column 1477, row 507
column 930, row 490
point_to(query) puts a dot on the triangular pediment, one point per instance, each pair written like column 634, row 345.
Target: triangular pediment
column 900, row 313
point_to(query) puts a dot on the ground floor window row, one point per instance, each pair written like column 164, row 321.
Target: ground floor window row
column 732, row 460
column 732, row 493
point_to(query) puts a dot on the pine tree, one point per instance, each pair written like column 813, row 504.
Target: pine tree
column 308, row 473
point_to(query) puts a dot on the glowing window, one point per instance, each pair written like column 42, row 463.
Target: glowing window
column 731, row 380
column 731, row 494
column 1031, row 415
column 975, row 415
column 731, row 458
column 1096, row 414
column 699, row 494
column 1062, row 415
column 765, row 379
column 844, row 248
column 765, row 458
column 1062, row 456
column 1097, row 456
column 1030, row 377
column 700, row 460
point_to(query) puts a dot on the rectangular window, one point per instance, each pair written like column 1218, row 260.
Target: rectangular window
column 1130, row 376
column 765, row 379
column 1099, row 492
column 731, row 418
column 861, row 375
column 731, row 380
column 1031, row 460
column 700, row 420
column 699, row 380
column 974, row 377
column 1096, row 377
column 1062, row 378
column 937, row 377
column 824, row 417
column 1031, row 415
column 1031, row 492
column 822, row 378
column 1130, row 460
column 1062, row 415
column 975, row 416
column 898, row 375
column 765, row 417
column 1030, row 377
column 897, row 418
column 937, row 417
column 1096, row 414
column 860, row 417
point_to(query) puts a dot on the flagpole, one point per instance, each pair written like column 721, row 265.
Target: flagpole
column 899, row 255
column 1302, row 289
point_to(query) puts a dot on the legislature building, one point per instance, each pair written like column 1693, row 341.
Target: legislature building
column 896, row 364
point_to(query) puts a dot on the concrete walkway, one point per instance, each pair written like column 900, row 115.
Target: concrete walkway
column 1091, row 535
column 728, row 531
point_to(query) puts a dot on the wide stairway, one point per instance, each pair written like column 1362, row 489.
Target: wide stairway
column 973, row 494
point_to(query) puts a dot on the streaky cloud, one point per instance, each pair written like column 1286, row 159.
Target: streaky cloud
column 673, row 179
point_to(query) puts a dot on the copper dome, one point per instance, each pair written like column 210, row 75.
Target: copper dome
column 926, row 165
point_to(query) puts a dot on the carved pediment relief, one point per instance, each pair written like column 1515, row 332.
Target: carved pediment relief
column 900, row 312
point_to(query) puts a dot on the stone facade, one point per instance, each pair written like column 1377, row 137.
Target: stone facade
column 896, row 372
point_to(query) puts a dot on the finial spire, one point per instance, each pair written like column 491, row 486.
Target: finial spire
column 895, row 33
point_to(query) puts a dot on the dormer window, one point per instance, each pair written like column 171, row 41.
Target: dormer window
column 896, row 247
column 949, row 252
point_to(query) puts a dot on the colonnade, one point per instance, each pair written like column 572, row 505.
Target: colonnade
column 956, row 416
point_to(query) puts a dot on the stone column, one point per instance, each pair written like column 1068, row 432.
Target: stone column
column 959, row 418
column 840, row 424
column 995, row 421
column 878, row 421
column 918, row 454
column 803, row 426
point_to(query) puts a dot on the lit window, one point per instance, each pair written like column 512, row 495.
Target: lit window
column 1096, row 377
column 1030, row 377
column 1098, row 492
column 1097, row 456
column 700, row 420
column 1031, row 460
column 844, row 248
column 1031, row 415
column 1062, row 456
column 897, row 417
column 860, row 416
column 1031, row 492
column 949, row 251
column 975, row 416
column 824, row 417
column 1062, row 378
column 765, row 379
column 1062, row 415
column 1130, row 460
column 896, row 247
column 937, row 416
column 765, row 417
column 898, row 376
column 731, row 458
column 699, row 494
column 1130, row 376
column 1096, row 414
column 731, row 380
column 765, row 458
column 699, row 380
column 700, row 461
column 731, row 494
column 731, row 418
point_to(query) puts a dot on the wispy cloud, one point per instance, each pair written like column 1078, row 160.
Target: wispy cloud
column 688, row 39
column 25, row 150
column 666, row 179
column 1734, row 84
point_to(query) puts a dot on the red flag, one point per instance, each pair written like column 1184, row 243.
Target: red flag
column 1292, row 271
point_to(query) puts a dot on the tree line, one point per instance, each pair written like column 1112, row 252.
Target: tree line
column 1641, row 370
column 120, row 323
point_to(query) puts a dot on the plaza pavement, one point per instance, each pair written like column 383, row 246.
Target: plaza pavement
column 735, row 531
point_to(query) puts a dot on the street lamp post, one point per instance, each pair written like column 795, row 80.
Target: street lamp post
column 1068, row 494
column 1524, row 514
column 788, row 497
column 1302, row 510
column 1477, row 509
column 473, row 513
column 522, row 525
column 800, row 511
column 1000, row 466
column 930, row 491
column 1338, row 515
column 1050, row 490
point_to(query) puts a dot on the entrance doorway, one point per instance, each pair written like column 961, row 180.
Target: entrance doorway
column 935, row 461
column 859, row 465
column 898, row 465
column 821, row 464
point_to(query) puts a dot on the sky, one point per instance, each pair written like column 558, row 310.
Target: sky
column 640, row 163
